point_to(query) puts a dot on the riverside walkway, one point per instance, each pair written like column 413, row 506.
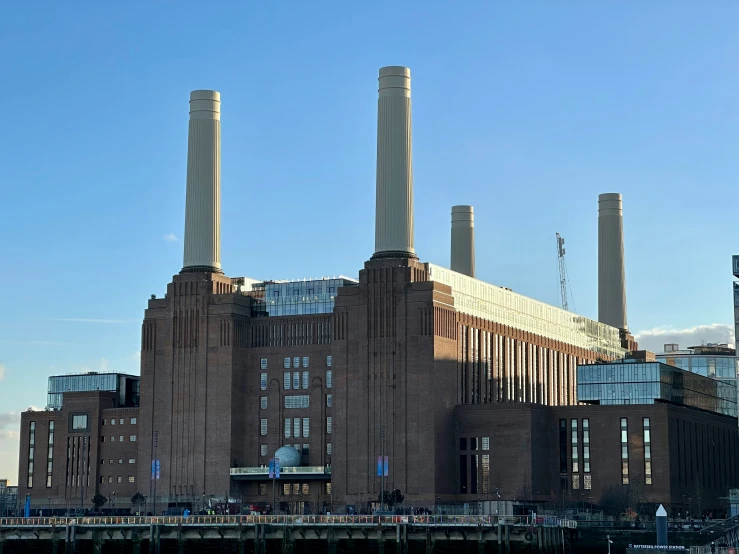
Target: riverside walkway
column 252, row 534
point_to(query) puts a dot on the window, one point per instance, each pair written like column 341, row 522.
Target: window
column 262, row 402
column 120, row 460
column 329, row 360
column 328, row 487
column 473, row 443
column 463, row 443
column 306, row 489
column 305, row 361
column 79, row 422
column 131, row 479
column 329, row 400
column 288, row 427
column 296, row 488
column 306, row 379
column 301, row 401
column 262, row 449
column 306, row 427
column 575, row 457
column 286, row 488
column 575, row 482
column 485, row 443
column 262, row 381
column 133, row 421
column 296, row 427
column 647, row 452
column 132, row 438
column 31, row 443
column 263, row 363
column 50, row 455
column 286, row 363
column 296, row 380
column 120, row 438
column 329, row 422
column 112, row 421
column 296, row 361
column 588, row 482
column 102, row 480
column 103, row 422
column 119, row 479
column 306, row 450
column 263, row 427
column 286, row 380
column 485, row 472
column 262, row 489
column 112, row 438
column 586, row 445
column 111, row 461
column 329, row 378
column 328, row 448
column 102, row 439
column 102, row 462
column 624, row 452
column 120, row 421
column 563, row 446
column 132, row 460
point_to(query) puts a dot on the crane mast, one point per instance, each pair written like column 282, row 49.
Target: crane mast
column 562, row 271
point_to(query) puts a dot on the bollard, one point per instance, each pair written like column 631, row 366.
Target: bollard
column 661, row 526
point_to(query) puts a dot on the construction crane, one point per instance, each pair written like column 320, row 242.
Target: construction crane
column 562, row 270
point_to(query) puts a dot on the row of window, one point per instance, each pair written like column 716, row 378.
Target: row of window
column 119, row 479
column 295, row 380
column 121, row 421
column 131, row 438
column 293, row 427
column 482, row 443
column 305, row 450
column 120, row 461
column 295, row 489
column 296, row 362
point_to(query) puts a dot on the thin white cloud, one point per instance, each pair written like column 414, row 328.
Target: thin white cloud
column 92, row 320
column 2, row 372
column 655, row 339
column 39, row 342
column 170, row 237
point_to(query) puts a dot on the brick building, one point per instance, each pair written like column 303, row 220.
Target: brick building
column 85, row 446
column 411, row 361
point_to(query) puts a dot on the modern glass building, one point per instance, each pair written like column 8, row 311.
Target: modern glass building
column 127, row 387
column 306, row 297
column 717, row 361
column 502, row 305
column 637, row 382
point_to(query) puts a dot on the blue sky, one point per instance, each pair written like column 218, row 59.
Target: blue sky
column 527, row 110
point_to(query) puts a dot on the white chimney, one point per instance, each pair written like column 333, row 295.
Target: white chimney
column 394, row 206
column 203, row 202
column 463, row 240
column 611, row 272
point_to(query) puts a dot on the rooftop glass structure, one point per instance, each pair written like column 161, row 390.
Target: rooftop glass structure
column 127, row 387
column 710, row 360
column 501, row 305
column 306, row 297
column 637, row 382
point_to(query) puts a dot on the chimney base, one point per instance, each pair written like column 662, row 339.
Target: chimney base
column 393, row 254
column 201, row 269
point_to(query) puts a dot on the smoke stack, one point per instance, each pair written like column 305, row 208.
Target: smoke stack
column 203, row 202
column 611, row 272
column 394, row 207
column 463, row 240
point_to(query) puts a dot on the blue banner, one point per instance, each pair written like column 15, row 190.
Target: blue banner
column 27, row 507
column 157, row 468
column 386, row 466
column 277, row 468
column 379, row 466
column 271, row 468
column 153, row 469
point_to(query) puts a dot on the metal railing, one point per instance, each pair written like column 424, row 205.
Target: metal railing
column 292, row 520
column 287, row 470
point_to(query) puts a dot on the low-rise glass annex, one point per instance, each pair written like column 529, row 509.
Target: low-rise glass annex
column 127, row 387
column 638, row 382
